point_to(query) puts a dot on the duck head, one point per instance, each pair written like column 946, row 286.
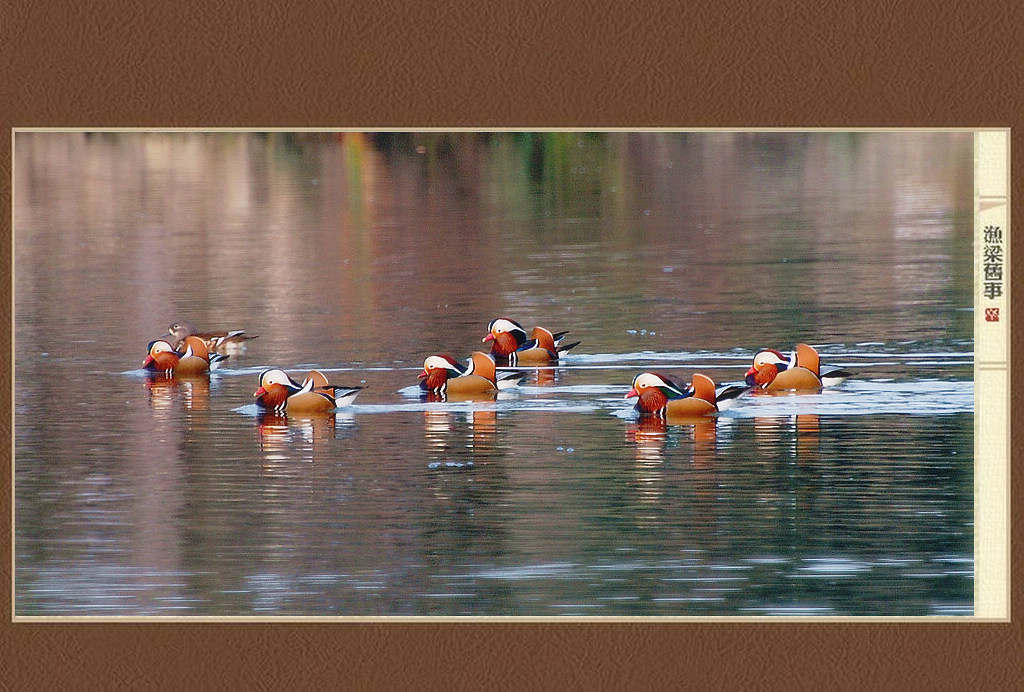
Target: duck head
column 507, row 335
column 653, row 391
column 179, row 330
column 766, row 367
column 275, row 388
column 161, row 356
column 437, row 370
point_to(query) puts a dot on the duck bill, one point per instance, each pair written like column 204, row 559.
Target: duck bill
column 489, row 337
column 259, row 392
column 146, row 363
column 631, row 393
column 752, row 371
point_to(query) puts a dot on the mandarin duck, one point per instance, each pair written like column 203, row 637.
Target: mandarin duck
column 664, row 397
column 443, row 376
column 510, row 344
column 773, row 372
column 281, row 394
column 215, row 341
column 195, row 359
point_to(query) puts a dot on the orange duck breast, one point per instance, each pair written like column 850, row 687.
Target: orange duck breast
column 280, row 393
column 773, row 372
column 509, row 343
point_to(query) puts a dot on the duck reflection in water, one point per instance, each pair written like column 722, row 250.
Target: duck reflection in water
column 791, row 437
column 546, row 377
column 676, row 459
column 483, row 427
column 650, row 436
column 445, row 441
column 437, row 427
column 284, row 438
column 165, row 388
column 788, row 454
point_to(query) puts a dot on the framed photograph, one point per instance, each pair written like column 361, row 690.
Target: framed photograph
column 588, row 375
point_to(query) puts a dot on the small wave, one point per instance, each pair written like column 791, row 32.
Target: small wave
column 653, row 356
column 865, row 398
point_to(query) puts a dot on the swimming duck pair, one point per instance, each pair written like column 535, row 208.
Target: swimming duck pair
column 445, row 377
column 185, row 351
column 185, row 358
column 663, row 396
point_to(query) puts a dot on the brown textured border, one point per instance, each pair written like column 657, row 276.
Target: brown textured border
column 468, row 64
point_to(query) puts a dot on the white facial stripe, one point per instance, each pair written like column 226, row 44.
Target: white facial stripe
column 647, row 379
column 435, row 362
column 274, row 377
column 503, row 325
column 766, row 357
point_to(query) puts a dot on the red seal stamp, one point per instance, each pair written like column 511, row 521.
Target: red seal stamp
column 991, row 314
